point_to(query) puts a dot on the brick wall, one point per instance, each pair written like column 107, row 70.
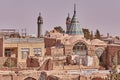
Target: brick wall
column 111, row 53
column 49, row 42
column 48, row 52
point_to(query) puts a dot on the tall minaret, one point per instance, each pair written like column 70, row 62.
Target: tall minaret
column 68, row 21
column 40, row 23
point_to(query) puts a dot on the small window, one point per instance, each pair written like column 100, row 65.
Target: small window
column 37, row 51
column 8, row 52
column 25, row 52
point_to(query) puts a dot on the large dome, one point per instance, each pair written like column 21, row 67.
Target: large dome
column 75, row 28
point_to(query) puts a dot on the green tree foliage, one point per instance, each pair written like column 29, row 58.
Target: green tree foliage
column 97, row 34
column 91, row 35
column 59, row 29
column 86, row 33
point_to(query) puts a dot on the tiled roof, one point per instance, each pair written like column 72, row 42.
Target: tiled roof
column 75, row 28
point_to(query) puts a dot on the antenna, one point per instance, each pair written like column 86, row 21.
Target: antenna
column 24, row 32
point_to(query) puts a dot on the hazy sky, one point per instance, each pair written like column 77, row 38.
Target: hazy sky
column 92, row 14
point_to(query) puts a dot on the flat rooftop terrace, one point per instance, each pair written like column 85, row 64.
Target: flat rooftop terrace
column 23, row 40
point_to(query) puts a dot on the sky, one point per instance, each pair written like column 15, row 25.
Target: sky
column 103, row 15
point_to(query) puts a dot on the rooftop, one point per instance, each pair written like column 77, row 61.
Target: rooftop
column 23, row 40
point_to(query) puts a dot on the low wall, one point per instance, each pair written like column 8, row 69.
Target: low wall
column 74, row 67
column 2, row 61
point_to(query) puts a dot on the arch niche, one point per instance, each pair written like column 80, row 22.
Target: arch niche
column 80, row 48
column 30, row 78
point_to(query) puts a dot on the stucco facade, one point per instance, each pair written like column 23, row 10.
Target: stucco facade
column 22, row 48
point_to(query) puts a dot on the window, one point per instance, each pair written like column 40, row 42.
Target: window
column 99, row 52
column 7, row 52
column 37, row 51
column 25, row 52
column 101, row 56
column 80, row 48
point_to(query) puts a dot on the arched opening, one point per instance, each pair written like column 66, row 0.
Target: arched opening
column 80, row 48
column 118, row 57
column 97, row 78
column 101, row 56
column 30, row 78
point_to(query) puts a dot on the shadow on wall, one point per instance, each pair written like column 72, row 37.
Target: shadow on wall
column 98, row 78
column 32, row 62
column 10, row 62
column 47, row 65
column 44, row 76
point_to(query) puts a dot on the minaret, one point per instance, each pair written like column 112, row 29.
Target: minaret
column 75, row 28
column 68, row 21
column 40, row 23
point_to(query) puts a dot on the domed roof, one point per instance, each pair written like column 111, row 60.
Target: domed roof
column 97, row 42
column 75, row 38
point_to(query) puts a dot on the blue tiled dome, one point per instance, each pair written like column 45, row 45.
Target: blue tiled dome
column 75, row 28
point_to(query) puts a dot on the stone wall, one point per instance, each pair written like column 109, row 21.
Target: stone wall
column 47, row 65
column 68, row 49
column 74, row 67
column 22, row 65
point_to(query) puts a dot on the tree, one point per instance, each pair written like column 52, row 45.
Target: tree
column 91, row 35
column 59, row 29
column 86, row 33
column 97, row 34
column 46, row 33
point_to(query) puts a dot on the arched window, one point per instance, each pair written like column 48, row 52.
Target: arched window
column 118, row 57
column 99, row 52
column 80, row 49
column 101, row 56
